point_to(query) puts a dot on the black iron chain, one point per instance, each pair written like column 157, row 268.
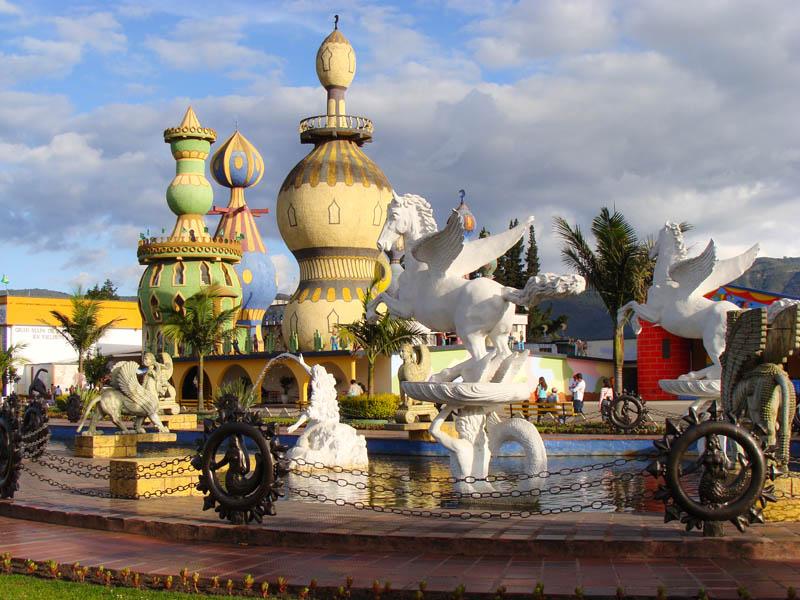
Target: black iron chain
column 618, row 462
column 101, row 493
column 450, row 495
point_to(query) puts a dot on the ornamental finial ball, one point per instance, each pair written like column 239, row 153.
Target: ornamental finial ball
column 237, row 163
column 336, row 61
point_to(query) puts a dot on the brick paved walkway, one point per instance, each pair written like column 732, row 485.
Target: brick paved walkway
column 441, row 571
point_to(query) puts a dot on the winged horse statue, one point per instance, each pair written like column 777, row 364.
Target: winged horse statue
column 676, row 300
column 433, row 289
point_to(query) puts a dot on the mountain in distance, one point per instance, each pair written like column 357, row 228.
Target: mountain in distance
column 589, row 320
column 776, row 275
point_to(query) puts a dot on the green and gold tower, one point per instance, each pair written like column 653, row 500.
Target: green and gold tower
column 331, row 208
column 189, row 259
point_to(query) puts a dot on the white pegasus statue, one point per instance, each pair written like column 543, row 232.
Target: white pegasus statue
column 325, row 440
column 432, row 288
column 676, row 300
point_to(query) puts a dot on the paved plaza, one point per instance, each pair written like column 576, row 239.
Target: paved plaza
column 598, row 551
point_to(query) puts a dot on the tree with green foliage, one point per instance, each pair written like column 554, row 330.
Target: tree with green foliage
column 383, row 336
column 542, row 323
column 107, row 292
column 81, row 329
column 618, row 268
column 10, row 361
column 200, row 326
column 532, row 264
column 96, row 368
column 510, row 270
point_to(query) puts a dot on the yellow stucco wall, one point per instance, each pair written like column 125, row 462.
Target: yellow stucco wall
column 216, row 368
column 24, row 310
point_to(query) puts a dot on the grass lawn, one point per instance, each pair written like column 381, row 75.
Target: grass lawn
column 21, row 587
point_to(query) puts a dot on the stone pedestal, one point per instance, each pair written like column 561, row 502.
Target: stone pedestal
column 180, row 422
column 418, row 432
column 416, row 411
column 119, row 445
column 137, row 477
column 169, row 408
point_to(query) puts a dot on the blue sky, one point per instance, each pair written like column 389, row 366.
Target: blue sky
column 679, row 110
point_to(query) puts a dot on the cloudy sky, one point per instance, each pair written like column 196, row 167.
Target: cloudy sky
column 666, row 110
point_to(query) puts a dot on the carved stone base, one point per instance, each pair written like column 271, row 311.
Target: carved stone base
column 423, row 411
column 136, row 477
column 169, row 408
column 119, row 445
column 182, row 422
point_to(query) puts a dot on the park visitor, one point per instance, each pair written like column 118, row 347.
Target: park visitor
column 577, row 387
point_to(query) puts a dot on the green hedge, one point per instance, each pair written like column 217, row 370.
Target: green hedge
column 380, row 406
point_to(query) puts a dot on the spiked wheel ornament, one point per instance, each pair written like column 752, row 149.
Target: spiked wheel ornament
column 626, row 412
column 10, row 448
column 34, row 429
column 728, row 489
column 241, row 465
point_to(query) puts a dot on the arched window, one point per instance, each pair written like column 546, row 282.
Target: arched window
column 179, row 278
column 154, row 308
column 155, row 278
column 205, row 274
column 179, row 303
column 228, row 280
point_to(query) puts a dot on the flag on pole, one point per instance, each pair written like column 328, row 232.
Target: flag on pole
column 4, row 280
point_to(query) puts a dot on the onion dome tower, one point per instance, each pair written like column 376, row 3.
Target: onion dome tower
column 238, row 165
column 331, row 209
column 189, row 259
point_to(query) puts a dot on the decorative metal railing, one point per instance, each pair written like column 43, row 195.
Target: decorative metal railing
column 349, row 122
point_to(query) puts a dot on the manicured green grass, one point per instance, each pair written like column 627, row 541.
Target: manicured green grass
column 21, row 587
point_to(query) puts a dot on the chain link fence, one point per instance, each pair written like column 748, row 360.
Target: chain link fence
column 47, row 464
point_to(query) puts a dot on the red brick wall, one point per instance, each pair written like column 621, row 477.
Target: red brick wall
column 651, row 364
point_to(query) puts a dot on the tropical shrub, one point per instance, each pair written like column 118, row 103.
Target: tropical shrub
column 379, row 406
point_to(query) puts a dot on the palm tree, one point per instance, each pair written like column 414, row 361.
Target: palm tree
column 81, row 329
column 200, row 326
column 384, row 336
column 9, row 361
column 618, row 269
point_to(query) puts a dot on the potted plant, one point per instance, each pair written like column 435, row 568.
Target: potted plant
column 286, row 383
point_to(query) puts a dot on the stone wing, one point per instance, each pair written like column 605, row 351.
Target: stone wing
column 438, row 250
column 124, row 378
column 167, row 369
column 482, row 251
column 704, row 273
column 783, row 336
column 745, row 342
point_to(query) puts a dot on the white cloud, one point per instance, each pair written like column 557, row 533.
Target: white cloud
column 693, row 119
column 36, row 57
column 6, row 8
column 100, row 31
column 538, row 29
column 286, row 272
column 216, row 44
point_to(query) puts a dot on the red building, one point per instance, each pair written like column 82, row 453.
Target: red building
column 661, row 355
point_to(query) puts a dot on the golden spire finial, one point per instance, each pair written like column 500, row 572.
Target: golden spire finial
column 190, row 119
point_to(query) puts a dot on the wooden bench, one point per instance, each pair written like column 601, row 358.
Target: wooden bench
column 558, row 411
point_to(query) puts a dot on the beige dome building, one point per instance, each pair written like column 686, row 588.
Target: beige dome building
column 331, row 208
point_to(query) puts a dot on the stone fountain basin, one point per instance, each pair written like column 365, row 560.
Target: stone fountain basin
column 466, row 394
column 700, row 388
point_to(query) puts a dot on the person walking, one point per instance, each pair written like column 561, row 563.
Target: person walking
column 578, row 387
